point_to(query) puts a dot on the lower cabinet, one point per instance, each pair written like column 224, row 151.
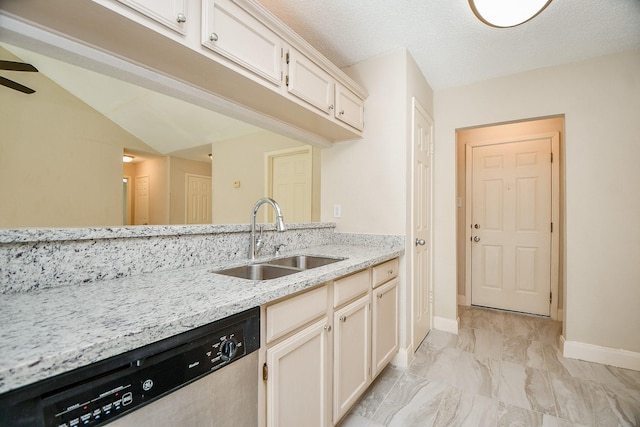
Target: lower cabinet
column 322, row 348
column 351, row 354
column 298, row 379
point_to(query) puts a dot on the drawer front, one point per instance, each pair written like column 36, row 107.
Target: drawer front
column 385, row 271
column 290, row 314
column 349, row 287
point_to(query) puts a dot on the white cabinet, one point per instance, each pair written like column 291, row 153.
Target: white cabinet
column 298, row 383
column 351, row 355
column 170, row 13
column 349, row 108
column 384, row 319
column 384, row 314
column 230, row 31
column 312, row 84
column 322, row 348
column 309, row 82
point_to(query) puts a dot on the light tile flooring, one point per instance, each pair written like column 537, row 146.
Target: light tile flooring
column 502, row 369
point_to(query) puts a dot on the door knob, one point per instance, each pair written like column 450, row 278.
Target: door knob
column 420, row 242
column 476, row 226
column 476, row 239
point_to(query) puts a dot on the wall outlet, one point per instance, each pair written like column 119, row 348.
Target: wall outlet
column 337, row 211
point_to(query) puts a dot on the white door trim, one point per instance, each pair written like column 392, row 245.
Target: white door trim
column 555, row 208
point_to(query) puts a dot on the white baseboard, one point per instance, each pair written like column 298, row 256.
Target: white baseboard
column 403, row 357
column 446, row 325
column 605, row 355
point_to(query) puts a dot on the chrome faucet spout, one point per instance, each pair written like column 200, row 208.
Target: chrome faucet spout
column 254, row 247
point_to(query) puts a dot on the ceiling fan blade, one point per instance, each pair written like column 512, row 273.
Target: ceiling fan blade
column 16, row 66
column 16, row 86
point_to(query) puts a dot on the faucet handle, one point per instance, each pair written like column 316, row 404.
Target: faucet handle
column 278, row 248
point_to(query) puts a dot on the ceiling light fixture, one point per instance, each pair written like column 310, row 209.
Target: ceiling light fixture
column 507, row 13
column 127, row 158
column 210, row 156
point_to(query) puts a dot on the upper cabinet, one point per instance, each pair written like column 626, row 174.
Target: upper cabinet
column 309, row 82
column 230, row 31
column 256, row 68
column 170, row 13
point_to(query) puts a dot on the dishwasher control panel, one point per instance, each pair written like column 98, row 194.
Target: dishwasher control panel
column 114, row 393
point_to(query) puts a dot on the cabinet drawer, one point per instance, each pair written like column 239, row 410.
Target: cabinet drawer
column 290, row 314
column 385, row 271
column 349, row 287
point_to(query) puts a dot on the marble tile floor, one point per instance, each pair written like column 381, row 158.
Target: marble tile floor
column 502, row 369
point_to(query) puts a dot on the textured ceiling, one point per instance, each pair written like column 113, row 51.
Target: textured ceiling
column 450, row 45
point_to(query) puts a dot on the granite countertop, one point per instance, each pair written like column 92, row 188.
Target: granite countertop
column 51, row 331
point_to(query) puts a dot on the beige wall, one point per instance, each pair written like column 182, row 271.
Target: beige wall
column 60, row 160
column 179, row 169
column 369, row 178
column 242, row 159
column 600, row 99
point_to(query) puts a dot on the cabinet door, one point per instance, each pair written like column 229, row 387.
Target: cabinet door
column 385, row 325
column 230, row 31
column 298, row 384
column 349, row 108
column 352, row 355
column 309, row 82
column 169, row 13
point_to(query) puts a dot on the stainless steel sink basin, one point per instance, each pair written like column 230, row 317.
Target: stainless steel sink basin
column 304, row 262
column 258, row 271
column 278, row 267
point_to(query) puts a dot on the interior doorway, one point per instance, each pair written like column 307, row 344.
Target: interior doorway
column 289, row 182
column 509, row 225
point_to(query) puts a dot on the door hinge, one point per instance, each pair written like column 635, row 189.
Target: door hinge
column 286, row 80
column 551, row 157
column 286, row 58
column 552, row 227
column 430, row 296
column 550, row 297
column 265, row 372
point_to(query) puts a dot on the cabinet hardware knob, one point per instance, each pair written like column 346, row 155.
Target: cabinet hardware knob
column 331, row 107
column 390, row 272
column 327, row 328
column 341, row 112
column 476, row 239
column 213, row 37
column 181, row 18
column 380, row 296
column 343, row 318
column 476, row 226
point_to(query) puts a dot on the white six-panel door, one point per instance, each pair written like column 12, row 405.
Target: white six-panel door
column 511, row 225
column 421, row 222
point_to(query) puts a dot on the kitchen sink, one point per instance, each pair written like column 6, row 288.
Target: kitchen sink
column 304, row 262
column 258, row 271
column 278, row 267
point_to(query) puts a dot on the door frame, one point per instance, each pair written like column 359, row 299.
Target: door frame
column 554, row 136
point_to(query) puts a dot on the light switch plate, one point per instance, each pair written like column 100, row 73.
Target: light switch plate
column 337, row 211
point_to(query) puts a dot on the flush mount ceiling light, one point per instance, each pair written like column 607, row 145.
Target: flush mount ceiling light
column 507, row 13
column 127, row 159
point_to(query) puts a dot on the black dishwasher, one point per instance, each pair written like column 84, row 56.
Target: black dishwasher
column 113, row 388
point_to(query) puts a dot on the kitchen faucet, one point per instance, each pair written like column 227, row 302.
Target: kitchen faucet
column 256, row 241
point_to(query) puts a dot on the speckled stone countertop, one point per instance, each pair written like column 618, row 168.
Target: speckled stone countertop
column 50, row 331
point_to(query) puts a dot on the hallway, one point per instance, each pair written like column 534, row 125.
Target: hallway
column 503, row 369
